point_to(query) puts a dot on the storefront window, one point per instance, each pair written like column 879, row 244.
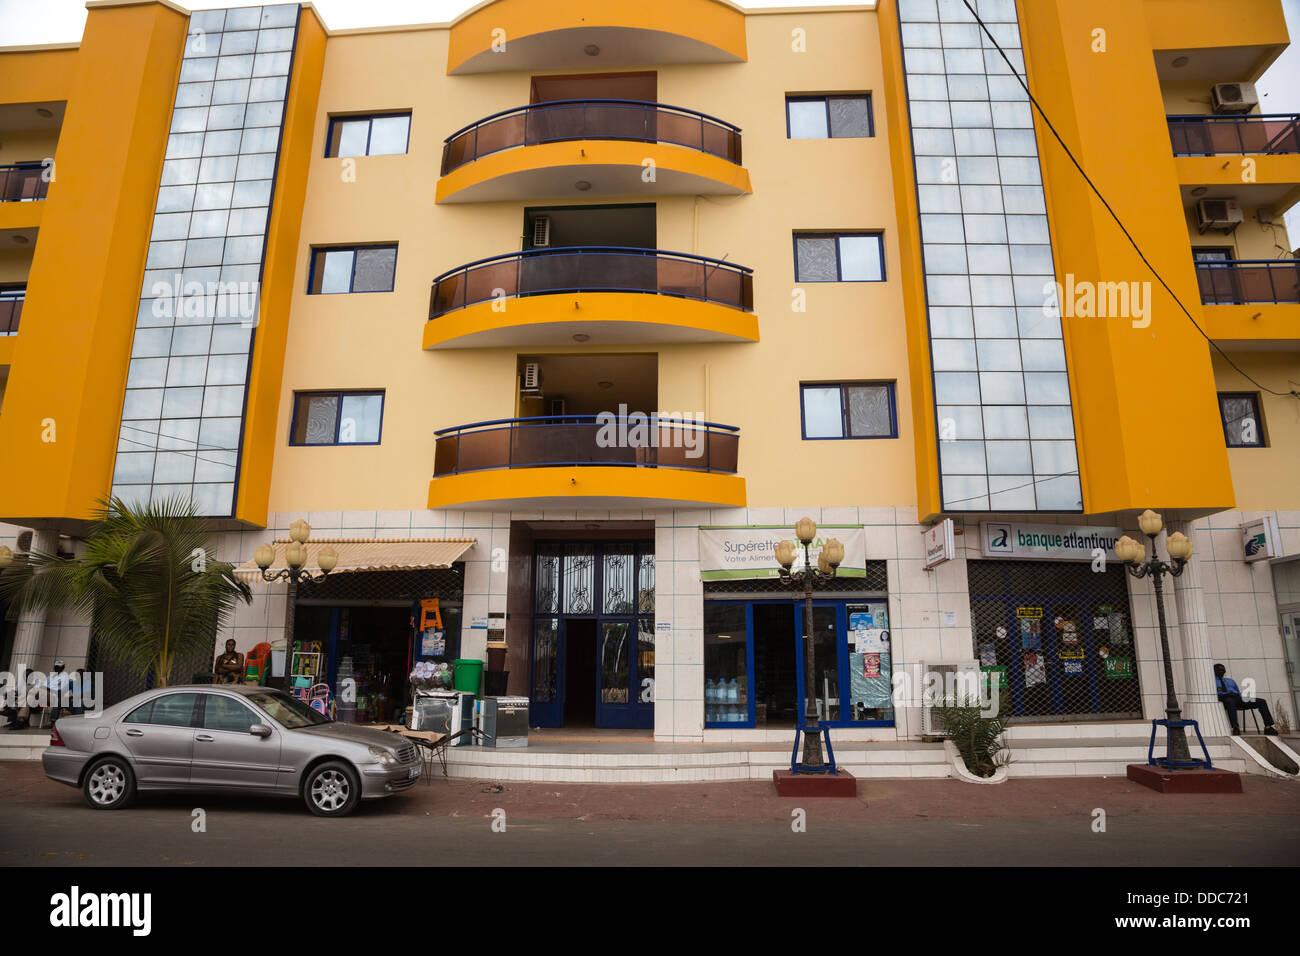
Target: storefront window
column 726, row 664
column 870, row 662
column 614, row 650
column 546, row 640
column 579, row 579
column 618, row 585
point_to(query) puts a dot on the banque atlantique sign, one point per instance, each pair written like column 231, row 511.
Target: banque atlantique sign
column 1060, row 542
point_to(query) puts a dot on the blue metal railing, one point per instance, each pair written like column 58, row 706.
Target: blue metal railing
column 557, row 121
column 573, row 269
column 1235, row 135
column 634, row 441
column 23, row 182
column 11, row 309
column 1237, row 281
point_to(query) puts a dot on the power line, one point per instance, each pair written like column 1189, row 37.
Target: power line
column 1127, row 235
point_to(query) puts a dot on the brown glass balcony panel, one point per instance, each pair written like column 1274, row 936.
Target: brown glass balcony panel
column 11, row 310
column 23, row 182
column 567, row 120
column 1256, row 280
column 570, row 440
column 1234, row 135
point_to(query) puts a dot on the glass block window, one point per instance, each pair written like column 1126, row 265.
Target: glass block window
column 338, row 269
column 381, row 134
column 829, row 117
column 849, row 410
column 1242, row 425
column 337, row 418
column 839, row 257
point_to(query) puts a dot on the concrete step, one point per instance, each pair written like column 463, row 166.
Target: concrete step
column 1096, row 756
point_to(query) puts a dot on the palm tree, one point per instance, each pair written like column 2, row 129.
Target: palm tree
column 147, row 582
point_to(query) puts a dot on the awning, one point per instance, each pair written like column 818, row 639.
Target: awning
column 370, row 554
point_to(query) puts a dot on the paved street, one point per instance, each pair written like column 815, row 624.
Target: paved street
column 898, row 822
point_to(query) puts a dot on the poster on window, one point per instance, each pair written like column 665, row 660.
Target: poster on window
column 988, row 655
column 1069, row 631
column 1031, row 634
column 870, row 665
column 1119, row 668
column 1073, row 667
column 1035, row 669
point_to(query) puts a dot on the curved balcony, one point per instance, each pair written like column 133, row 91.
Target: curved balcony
column 512, row 35
column 532, row 151
column 587, row 460
column 610, row 294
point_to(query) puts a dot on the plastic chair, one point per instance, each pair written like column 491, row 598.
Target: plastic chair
column 321, row 700
column 256, row 664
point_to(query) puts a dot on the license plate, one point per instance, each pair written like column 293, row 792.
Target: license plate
column 413, row 772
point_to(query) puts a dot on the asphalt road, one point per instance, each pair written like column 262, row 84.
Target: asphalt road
column 908, row 823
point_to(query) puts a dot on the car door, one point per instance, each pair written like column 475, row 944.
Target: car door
column 159, row 734
column 225, row 753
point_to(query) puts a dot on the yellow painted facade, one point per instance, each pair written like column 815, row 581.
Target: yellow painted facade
column 1143, row 397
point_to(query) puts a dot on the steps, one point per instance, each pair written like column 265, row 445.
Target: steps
column 23, row 744
column 1098, row 756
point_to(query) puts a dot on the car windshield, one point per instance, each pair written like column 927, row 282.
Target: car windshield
column 287, row 711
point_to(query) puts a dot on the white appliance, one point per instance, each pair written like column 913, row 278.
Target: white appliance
column 1234, row 97
column 1221, row 214
column 960, row 680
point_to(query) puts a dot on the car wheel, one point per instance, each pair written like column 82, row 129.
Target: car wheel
column 109, row 784
column 332, row 790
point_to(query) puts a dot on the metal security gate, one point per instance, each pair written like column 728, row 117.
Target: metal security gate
column 1060, row 637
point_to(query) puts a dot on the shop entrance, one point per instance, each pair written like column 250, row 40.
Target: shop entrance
column 1060, row 637
column 593, row 635
column 775, row 666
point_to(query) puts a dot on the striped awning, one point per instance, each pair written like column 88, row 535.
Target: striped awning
column 370, row 554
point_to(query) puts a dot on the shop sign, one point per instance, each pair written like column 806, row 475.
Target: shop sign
column 1118, row 668
column 1261, row 539
column 940, row 543
column 746, row 551
column 1058, row 542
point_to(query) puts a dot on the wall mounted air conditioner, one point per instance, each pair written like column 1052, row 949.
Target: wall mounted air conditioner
column 541, row 231
column 532, row 377
column 948, row 683
column 1234, row 97
column 1221, row 214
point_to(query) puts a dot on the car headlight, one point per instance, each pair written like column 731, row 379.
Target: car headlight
column 382, row 756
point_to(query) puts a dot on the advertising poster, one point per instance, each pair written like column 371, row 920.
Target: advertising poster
column 1074, row 667
column 1071, row 652
column 988, row 655
column 1069, row 632
column 433, row 643
column 1001, row 673
column 1035, row 669
column 1031, row 634
column 1119, row 668
column 870, row 665
column 872, row 641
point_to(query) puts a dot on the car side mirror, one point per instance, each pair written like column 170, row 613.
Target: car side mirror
column 260, row 730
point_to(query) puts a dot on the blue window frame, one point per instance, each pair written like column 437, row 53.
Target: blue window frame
column 1243, row 426
column 841, row 410
column 838, row 116
column 377, row 134
column 839, row 257
column 341, row 269
column 337, row 418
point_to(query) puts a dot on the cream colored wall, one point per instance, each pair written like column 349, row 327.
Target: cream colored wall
column 1268, row 478
column 15, row 264
column 27, row 146
column 1251, row 240
column 849, row 331
column 1188, row 98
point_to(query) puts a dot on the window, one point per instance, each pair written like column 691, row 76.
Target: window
column 829, row 117
column 170, row 710
column 226, row 713
column 379, row 135
column 352, row 269
column 839, row 257
column 1242, row 425
column 849, row 410
column 337, row 418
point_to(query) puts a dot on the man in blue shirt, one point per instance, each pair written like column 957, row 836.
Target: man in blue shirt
column 1230, row 696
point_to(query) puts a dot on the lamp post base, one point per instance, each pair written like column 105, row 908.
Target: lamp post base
column 1185, row 781
column 839, row 784
column 813, row 761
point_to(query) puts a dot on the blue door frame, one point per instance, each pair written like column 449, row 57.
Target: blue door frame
column 840, row 606
column 633, row 713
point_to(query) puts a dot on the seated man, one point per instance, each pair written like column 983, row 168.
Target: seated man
column 1230, row 696
column 229, row 668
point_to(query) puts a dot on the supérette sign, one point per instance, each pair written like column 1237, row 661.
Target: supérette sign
column 746, row 551
column 1059, row 542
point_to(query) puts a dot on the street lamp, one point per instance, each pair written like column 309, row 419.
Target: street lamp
column 1133, row 554
column 295, row 556
column 832, row 553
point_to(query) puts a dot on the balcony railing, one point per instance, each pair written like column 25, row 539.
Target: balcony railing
column 1237, row 281
column 23, row 182
column 11, row 309
column 1235, row 135
column 564, row 120
column 564, row 440
column 573, row 269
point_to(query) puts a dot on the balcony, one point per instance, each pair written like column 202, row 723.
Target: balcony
column 1270, row 135
column 11, row 309
column 23, row 182
column 1238, row 281
column 587, row 460
column 531, row 151
column 605, row 294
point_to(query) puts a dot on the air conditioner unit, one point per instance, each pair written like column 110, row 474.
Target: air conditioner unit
column 959, row 680
column 532, row 378
column 1221, row 214
column 1234, row 97
column 541, row 231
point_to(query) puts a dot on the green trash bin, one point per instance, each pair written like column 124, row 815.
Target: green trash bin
column 467, row 675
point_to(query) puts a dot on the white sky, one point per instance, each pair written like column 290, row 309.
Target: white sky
column 61, row 21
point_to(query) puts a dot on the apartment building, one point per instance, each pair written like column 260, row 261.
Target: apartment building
column 564, row 312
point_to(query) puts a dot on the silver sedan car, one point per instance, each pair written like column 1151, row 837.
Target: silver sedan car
column 227, row 737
